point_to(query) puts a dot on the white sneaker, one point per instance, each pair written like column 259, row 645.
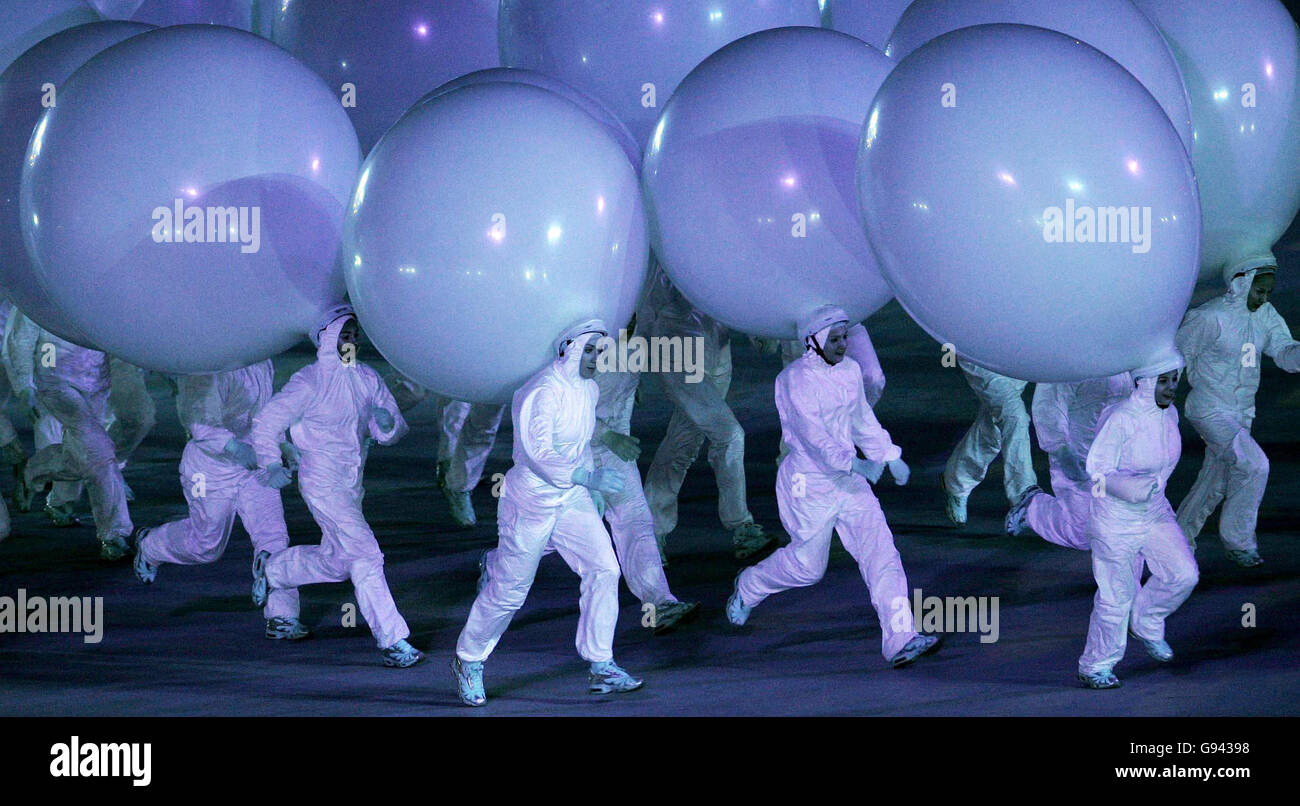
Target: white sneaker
column 749, row 539
column 737, row 611
column 1160, row 650
column 401, row 655
column 608, row 677
column 286, row 629
column 469, row 681
column 1018, row 518
column 145, row 571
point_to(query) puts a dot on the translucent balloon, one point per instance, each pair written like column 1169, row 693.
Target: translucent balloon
column 869, row 20
column 1015, row 228
column 749, row 180
column 22, row 99
column 1115, row 27
column 193, row 236
column 485, row 222
column 1239, row 60
column 631, row 54
column 588, row 104
column 23, row 23
column 232, row 13
column 390, row 53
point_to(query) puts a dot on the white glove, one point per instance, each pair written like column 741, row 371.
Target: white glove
column 900, row 471
column 602, row 481
column 868, row 469
column 278, row 476
column 241, row 453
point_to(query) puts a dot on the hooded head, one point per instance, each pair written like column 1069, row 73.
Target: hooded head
column 571, row 345
column 1158, row 382
column 326, row 335
column 1241, row 277
column 327, row 318
column 815, row 330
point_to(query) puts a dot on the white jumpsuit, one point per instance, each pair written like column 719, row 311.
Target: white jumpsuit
column 131, row 408
column 20, row 339
column 631, row 526
column 700, row 413
column 824, row 415
column 1224, row 344
column 468, row 430
column 540, row 506
column 215, row 409
column 861, row 350
column 72, row 384
column 1135, row 451
column 326, row 408
column 1065, row 418
column 1002, row 425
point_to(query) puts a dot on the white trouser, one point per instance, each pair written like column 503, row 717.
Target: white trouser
column 632, row 529
column 216, row 492
column 48, row 431
column 1062, row 517
column 1122, row 601
column 86, row 454
column 700, row 413
column 843, row 504
column 347, row 550
column 572, row 528
column 469, row 431
column 1235, row 472
column 132, row 408
column 1002, row 426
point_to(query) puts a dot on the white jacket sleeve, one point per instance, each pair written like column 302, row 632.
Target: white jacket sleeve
column 383, row 398
column 538, row 415
column 20, row 351
column 284, row 409
column 1279, row 346
column 202, row 417
column 1198, row 331
column 1051, row 417
column 1105, row 459
column 870, row 436
column 861, row 350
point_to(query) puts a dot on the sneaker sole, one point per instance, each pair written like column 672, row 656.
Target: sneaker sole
column 402, row 664
column 1086, row 684
column 613, row 689
column 282, row 637
column 910, row 660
